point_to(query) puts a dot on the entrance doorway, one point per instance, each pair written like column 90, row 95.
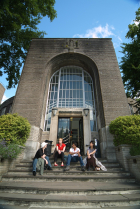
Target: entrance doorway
column 71, row 129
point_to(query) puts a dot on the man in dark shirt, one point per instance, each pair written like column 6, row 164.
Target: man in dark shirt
column 41, row 154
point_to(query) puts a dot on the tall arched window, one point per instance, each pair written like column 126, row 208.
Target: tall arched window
column 71, row 87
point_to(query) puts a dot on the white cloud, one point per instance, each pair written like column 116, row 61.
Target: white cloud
column 101, row 32
column 4, row 98
column 97, row 32
column 119, row 38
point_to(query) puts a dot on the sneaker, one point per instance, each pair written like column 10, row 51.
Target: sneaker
column 93, row 168
column 67, row 168
column 34, row 173
column 88, row 169
column 82, row 168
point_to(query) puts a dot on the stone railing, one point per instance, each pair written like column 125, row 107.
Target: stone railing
column 6, row 164
column 122, row 153
column 128, row 162
column 134, row 166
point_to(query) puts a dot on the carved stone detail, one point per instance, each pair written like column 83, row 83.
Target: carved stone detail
column 71, row 44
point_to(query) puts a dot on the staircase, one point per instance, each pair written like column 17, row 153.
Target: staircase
column 113, row 189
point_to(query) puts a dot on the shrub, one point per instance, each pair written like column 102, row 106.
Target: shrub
column 14, row 128
column 10, row 151
column 135, row 150
column 126, row 130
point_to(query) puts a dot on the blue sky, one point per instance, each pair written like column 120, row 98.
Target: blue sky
column 88, row 19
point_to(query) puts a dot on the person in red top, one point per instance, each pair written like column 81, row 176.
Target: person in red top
column 60, row 149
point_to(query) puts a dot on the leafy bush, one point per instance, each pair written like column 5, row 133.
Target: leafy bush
column 10, row 151
column 126, row 130
column 14, row 128
column 135, row 150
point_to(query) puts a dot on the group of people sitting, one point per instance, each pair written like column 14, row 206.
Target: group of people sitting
column 41, row 160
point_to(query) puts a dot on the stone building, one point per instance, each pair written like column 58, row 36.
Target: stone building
column 2, row 90
column 71, row 88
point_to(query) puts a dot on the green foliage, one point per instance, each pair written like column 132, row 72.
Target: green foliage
column 126, row 130
column 135, row 150
column 14, row 128
column 18, row 25
column 130, row 63
column 10, row 151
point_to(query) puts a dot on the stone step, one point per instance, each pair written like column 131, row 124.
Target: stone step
column 59, row 168
column 5, row 206
column 66, row 201
column 102, row 160
column 68, row 177
column 108, row 165
column 72, row 163
column 71, row 172
column 82, row 188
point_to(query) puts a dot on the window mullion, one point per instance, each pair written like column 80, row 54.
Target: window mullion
column 83, row 88
column 58, row 87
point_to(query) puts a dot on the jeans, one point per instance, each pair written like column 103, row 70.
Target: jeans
column 35, row 162
column 74, row 159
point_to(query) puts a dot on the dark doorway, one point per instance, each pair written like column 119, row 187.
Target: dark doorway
column 71, row 129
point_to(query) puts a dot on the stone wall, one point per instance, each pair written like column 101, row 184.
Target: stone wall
column 7, row 164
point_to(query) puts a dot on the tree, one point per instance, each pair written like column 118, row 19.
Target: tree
column 18, row 25
column 130, row 63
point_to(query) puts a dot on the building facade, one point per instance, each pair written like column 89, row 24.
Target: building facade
column 71, row 88
column 2, row 90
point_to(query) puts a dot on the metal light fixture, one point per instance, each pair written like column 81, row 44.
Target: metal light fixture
column 86, row 111
column 54, row 111
column 71, row 118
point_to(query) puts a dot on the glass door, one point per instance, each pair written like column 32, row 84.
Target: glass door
column 64, row 131
column 71, row 129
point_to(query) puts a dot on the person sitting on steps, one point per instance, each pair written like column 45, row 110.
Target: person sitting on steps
column 60, row 149
column 74, row 156
column 90, row 157
column 40, row 154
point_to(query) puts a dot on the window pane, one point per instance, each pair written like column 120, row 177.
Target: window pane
column 64, row 84
column 67, row 93
column 60, row 94
column 67, row 85
column 71, row 85
column 61, row 85
column 74, row 94
column 55, row 95
column 81, row 94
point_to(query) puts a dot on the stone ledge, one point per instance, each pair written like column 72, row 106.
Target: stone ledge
column 134, row 157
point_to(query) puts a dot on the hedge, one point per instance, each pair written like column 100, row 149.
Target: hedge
column 126, row 130
column 14, row 129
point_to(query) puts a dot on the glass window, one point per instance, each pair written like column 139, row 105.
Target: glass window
column 3, row 111
column 71, row 86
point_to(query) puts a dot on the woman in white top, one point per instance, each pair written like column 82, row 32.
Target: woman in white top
column 91, row 157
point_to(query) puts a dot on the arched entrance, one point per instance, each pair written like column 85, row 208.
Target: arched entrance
column 71, row 87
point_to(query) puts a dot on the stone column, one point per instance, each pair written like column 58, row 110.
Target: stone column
column 53, row 130
column 86, row 130
column 32, row 143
